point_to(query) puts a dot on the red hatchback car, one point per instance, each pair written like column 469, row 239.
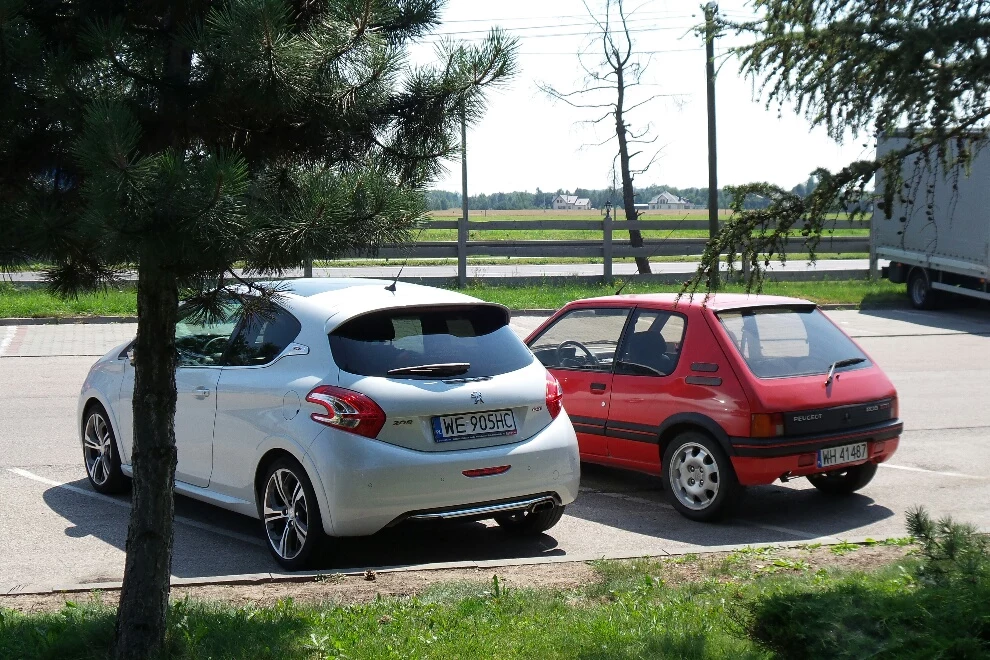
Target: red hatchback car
column 721, row 393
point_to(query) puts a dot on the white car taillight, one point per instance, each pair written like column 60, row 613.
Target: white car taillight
column 347, row 410
column 555, row 396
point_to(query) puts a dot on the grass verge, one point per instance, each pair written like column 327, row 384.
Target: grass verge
column 22, row 302
column 755, row 603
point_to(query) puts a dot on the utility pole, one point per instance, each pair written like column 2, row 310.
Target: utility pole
column 710, row 10
column 462, row 224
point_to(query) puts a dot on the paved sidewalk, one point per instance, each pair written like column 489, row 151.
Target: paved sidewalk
column 78, row 339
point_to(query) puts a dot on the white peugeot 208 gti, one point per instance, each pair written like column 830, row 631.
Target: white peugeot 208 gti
column 352, row 407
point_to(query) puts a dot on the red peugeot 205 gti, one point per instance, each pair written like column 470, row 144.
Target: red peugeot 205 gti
column 721, row 393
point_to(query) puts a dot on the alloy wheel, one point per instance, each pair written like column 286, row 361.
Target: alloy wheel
column 286, row 513
column 98, row 448
column 694, row 476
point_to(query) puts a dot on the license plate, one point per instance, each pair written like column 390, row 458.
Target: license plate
column 468, row 426
column 842, row 455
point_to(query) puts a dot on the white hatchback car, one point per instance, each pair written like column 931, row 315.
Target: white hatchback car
column 354, row 407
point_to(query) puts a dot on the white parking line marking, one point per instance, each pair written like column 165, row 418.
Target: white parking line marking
column 127, row 505
column 944, row 474
column 7, row 337
column 793, row 532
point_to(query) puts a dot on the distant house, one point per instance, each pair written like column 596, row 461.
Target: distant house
column 666, row 200
column 570, row 203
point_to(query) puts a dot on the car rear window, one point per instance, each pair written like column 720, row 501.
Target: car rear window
column 479, row 335
column 782, row 342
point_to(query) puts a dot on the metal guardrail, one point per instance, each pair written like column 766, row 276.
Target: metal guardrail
column 607, row 248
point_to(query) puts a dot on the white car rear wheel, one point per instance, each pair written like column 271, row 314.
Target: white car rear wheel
column 290, row 515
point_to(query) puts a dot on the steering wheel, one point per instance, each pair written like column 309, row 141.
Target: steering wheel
column 207, row 345
column 576, row 344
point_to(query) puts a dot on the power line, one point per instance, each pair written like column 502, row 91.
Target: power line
column 547, row 27
column 635, row 16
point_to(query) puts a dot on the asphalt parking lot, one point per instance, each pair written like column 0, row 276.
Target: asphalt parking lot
column 54, row 530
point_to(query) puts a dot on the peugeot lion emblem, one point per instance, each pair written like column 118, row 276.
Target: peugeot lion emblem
column 476, row 397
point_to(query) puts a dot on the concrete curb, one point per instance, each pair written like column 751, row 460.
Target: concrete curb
column 68, row 320
column 310, row 576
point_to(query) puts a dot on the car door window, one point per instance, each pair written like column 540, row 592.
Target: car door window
column 262, row 338
column 584, row 339
column 201, row 343
column 652, row 344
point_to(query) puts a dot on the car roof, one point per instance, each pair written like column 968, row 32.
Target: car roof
column 716, row 301
column 323, row 297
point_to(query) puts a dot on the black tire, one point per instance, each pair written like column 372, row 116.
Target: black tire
column 844, row 482
column 693, row 454
column 530, row 524
column 101, row 455
column 920, row 291
column 295, row 537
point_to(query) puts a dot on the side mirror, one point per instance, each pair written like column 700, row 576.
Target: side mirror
column 130, row 356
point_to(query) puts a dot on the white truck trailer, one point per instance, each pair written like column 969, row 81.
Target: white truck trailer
column 937, row 235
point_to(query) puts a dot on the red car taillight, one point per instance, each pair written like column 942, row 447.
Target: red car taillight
column 555, row 396
column 762, row 425
column 347, row 410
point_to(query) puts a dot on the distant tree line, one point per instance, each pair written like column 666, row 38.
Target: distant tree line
column 442, row 200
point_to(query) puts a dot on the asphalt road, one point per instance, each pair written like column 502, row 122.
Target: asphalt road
column 411, row 270
column 54, row 530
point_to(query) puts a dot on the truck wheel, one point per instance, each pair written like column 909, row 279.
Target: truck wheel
column 844, row 482
column 700, row 477
column 920, row 290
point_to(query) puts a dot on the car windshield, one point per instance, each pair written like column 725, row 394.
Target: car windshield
column 780, row 342
column 464, row 341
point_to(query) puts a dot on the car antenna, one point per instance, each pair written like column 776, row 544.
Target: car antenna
column 391, row 287
column 608, row 205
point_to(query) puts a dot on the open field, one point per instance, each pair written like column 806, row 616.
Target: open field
column 667, row 225
column 21, row 302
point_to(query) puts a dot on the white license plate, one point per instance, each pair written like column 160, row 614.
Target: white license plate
column 474, row 425
column 842, row 455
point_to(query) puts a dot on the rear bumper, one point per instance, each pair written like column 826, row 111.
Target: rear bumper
column 764, row 460
column 753, row 471
column 369, row 484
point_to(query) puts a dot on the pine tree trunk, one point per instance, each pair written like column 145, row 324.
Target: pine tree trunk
column 628, row 197
column 140, row 630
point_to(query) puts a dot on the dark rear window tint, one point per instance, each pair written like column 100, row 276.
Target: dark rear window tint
column 783, row 342
column 376, row 343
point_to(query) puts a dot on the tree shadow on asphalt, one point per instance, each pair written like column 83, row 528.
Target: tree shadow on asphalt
column 199, row 552
column 765, row 514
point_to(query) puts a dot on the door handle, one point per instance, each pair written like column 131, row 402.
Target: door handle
column 598, row 388
column 201, row 392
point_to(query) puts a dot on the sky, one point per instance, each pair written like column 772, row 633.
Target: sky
column 527, row 140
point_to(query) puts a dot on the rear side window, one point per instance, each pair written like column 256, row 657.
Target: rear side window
column 262, row 338
column 476, row 335
column 780, row 342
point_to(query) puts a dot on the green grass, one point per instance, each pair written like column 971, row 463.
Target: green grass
column 21, row 302
column 852, row 292
column 630, row 611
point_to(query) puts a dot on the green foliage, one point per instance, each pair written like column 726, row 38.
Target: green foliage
column 272, row 133
column 915, row 68
column 629, row 611
column 952, row 551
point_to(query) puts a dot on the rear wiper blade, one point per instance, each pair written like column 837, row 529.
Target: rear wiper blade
column 838, row 364
column 446, row 369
